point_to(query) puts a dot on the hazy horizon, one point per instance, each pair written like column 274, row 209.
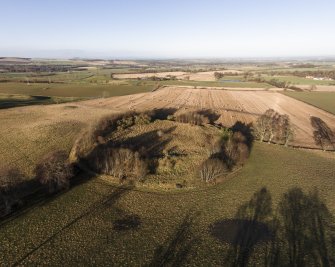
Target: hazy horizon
column 167, row 29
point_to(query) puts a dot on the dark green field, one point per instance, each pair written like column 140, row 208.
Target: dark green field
column 299, row 80
column 15, row 100
column 98, row 223
column 323, row 100
column 76, row 89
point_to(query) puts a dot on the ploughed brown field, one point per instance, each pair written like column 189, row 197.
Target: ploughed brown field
column 26, row 133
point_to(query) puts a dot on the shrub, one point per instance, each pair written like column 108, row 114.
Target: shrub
column 170, row 118
column 125, row 122
column 211, row 169
column 10, row 190
column 142, row 119
column 233, row 148
column 54, row 171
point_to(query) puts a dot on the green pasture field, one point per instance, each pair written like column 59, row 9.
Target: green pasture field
column 15, row 100
column 299, row 80
column 217, row 84
column 83, row 226
column 30, row 77
column 322, row 100
column 77, row 89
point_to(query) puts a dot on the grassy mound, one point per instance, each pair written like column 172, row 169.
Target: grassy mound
column 174, row 151
column 159, row 149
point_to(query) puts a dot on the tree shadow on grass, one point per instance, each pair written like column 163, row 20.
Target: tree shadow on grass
column 305, row 232
column 175, row 251
column 248, row 229
column 109, row 201
column 127, row 222
column 150, row 144
column 301, row 232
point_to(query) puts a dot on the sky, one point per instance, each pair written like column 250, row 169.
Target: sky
column 167, row 28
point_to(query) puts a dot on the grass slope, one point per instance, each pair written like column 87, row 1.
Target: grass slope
column 78, row 227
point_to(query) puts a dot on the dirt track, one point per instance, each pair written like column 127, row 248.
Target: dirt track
column 27, row 133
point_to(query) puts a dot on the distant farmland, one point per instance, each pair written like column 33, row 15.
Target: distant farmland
column 76, row 89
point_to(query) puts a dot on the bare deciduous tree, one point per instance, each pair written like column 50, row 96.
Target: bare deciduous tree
column 218, row 75
column 122, row 163
column 285, row 130
column 192, row 117
column 54, row 171
column 323, row 135
column 272, row 126
column 211, row 169
column 263, row 125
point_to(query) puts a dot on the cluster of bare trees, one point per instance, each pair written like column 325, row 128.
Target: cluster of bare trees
column 97, row 133
column 54, row 171
column 195, row 117
column 273, row 82
column 211, row 169
column 191, row 117
column 218, row 75
column 323, row 135
column 273, row 127
column 122, row 163
column 231, row 150
column 234, row 149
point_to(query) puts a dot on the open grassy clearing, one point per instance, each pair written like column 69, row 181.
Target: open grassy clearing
column 323, row 100
column 82, row 226
column 58, row 77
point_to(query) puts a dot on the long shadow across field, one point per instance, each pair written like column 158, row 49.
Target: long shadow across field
column 108, row 201
column 175, row 251
column 300, row 232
